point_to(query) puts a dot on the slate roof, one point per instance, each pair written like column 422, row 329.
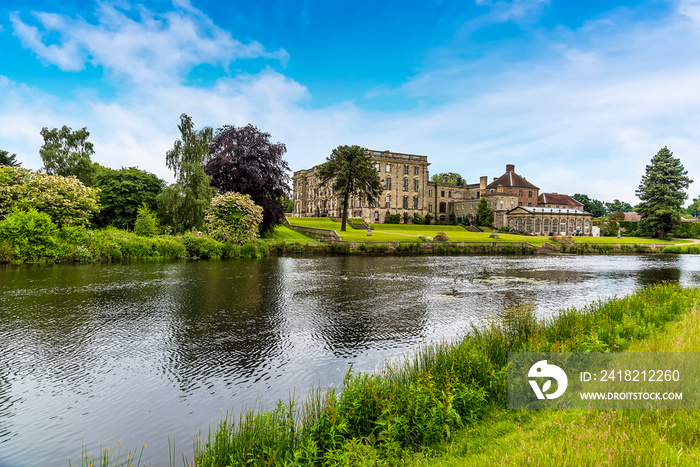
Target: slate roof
column 511, row 179
column 543, row 210
column 556, row 198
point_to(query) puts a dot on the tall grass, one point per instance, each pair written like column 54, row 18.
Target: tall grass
column 379, row 418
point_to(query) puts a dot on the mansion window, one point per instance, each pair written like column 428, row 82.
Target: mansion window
column 442, row 193
column 430, row 193
column 405, row 184
column 554, row 226
column 388, row 167
column 415, row 185
column 563, row 227
column 529, row 194
column 388, row 183
column 520, row 192
column 545, row 229
column 537, row 226
column 405, row 201
column 415, row 170
column 430, row 207
column 443, row 208
column 405, row 169
column 377, row 166
column 501, row 205
column 449, row 194
column 388, row 201
column 415, row 204
column 512, row 204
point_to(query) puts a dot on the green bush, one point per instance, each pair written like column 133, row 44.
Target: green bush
column 233, row 218
column 418, row 219
column 30, row 235
column 428, row 219
column 146, row 223
column 392, row 219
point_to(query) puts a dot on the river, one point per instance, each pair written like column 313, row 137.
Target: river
column 93, row 354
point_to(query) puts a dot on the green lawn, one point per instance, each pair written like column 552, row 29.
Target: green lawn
column 410, row 232
column 282, row 232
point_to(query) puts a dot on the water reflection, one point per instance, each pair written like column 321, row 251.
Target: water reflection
column 138, row 352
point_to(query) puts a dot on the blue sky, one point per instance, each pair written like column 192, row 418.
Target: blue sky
column 579, row 95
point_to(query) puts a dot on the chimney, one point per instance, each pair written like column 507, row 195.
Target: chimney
column 495, row 178
column 510, row 168
column 483, row 182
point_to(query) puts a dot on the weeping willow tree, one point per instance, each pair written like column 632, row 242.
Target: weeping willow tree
column 187, row 200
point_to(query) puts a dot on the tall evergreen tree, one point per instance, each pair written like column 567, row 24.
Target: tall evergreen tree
column 188, row 198
column 484, row 214
column 349, row 171
column 662, row 193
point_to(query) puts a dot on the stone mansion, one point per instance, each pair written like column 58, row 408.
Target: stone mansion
column 515, row 202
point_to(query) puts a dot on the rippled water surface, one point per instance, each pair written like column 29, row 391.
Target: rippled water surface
column 95, row 354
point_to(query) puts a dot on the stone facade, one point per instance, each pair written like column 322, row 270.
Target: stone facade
column 408, row 189
column 405, row 180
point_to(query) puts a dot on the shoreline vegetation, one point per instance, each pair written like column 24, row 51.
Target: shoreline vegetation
column 447, row 405
column 71, row 244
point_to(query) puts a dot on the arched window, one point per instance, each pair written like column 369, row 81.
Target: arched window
column 520, row 225
column 528, row 225
column 545, row 229
column 587, row 228
column 511, row 223
column 555, row 226
column 537, row 226
column 501, row 205
column 563, row 227
column 578, row 225
column 571, row 226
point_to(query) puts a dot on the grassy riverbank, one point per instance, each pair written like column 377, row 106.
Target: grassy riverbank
column 80, row 245
column 457, row 393
column 585, row 437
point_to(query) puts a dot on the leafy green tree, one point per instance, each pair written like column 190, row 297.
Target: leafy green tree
column 66, row 152
column 350, row 171
column 188, row 199
column 594, row 206
column 694, row 208
column 286, row 203
column 244, row 160
column 618, row 205
column 452, row 177
column 123, row 192
column 234, row 218
column 9, row 160
column 661, row 192
column 484, row 214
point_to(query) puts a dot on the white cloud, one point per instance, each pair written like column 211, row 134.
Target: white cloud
column 586, row 116
column 156, row 48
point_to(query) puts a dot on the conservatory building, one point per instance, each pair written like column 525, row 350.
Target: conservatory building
column 537, row 220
